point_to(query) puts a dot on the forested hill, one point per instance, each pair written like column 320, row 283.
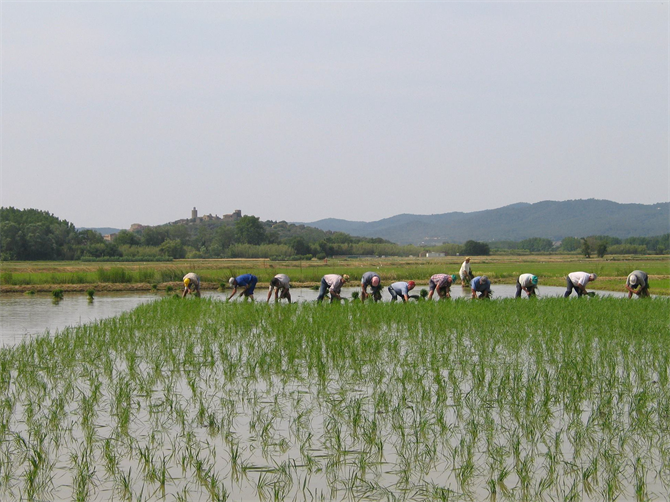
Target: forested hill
column 548, row 219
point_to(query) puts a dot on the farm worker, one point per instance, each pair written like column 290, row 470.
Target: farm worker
column 191, row 285
column 401, row 289
column 280, row 281
column 578, row 282
column 441, row 282
column 527, row 283
column 331, row 283
column 465, row 273
column 246, row 281
column 637, row 279
column 481, row 285
column 373, row 280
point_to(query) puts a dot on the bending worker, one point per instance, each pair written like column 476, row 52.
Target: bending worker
column 441, row 282
column 247, row 282
column 401, row 289
column 373, row 280
column 191, row 285
column 280, row 281
column 465, row 273
column 332, row 283
column 578, row 282
column 481, row 285
column 527, row 283
column 638, row 283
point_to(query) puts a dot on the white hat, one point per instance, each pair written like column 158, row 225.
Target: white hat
column 231, row 281
column 633, row 279
column 594, row 277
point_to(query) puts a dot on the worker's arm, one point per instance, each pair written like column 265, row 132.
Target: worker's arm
column 232, row 294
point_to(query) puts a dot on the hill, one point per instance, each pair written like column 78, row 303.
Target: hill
column 548, row 219
column 101, row 230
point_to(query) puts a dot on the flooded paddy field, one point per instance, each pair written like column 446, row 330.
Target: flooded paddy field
column 23, row 316
column 201, row 400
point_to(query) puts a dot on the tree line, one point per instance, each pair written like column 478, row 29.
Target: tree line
column 32, row 234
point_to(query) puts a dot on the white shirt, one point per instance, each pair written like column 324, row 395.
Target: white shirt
column 526, row 280
column 283, row 279
column 581, row 278
column 465, row 269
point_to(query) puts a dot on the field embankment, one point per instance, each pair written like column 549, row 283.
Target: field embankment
column 551, row 269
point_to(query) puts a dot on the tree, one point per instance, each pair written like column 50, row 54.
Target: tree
column 601, row 249
column 173, row 248
column 153, row 236
column 300, row 246
column 586, row 248
column 250, row 230
column 569, row 244
column 475, row 248
column 536, row 244
column 127, row 238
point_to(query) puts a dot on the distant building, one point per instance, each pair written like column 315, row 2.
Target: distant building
column 109, row 237
column 236, row 215
column 194, row 214
column 136, row 227
column 435, row 255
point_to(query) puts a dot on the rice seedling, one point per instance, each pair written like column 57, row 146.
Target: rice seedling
column 207, row 400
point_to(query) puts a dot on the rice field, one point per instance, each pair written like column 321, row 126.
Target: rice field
column 188, row 400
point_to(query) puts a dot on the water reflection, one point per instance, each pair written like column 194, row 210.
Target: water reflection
column 22, row 316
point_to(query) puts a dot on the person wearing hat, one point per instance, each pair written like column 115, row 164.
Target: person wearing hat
column 372, row 280
column 280, row 281
column 578, row 282
column 401, row 289
column 465, row 273
column 527, row 283
column 247, row 282
column 441, row 282
column 481, row 285
column 191, row 285
column 331, row 283
column 637, row 283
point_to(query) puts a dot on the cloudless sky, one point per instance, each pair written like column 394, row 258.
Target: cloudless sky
column 134, row 112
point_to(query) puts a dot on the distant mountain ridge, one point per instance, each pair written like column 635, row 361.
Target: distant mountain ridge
column 548, row 219
column 102, row 230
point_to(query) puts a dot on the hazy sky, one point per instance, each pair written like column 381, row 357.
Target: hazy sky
column 134, row 112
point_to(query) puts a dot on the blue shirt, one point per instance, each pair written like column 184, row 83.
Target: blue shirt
column 400, row 288
column 480, row 286
column 245, row 279
column 366, row 278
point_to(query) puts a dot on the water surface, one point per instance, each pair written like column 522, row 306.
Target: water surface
column 22, row 315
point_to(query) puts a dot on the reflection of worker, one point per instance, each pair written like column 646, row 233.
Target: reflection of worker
column 578, row 282
column 441, row 282
column 247, row 282
column 481, row 285
column 465, row 273
column 372, row 280
column 527, row 283
column 191, row 285
column 332, row 283
column 280, row 282
column 637, row 283
column 401, row 289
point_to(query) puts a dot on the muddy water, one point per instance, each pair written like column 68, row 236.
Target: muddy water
column 22, row 316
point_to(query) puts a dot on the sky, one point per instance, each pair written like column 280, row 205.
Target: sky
column 116, row 113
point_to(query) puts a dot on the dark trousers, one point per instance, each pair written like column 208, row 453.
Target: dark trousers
column 519, row 289
column 571, row 286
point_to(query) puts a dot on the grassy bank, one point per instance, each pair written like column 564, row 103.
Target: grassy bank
column 552, row 269
column 202, row 400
